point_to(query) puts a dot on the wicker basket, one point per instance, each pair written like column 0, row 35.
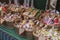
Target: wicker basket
column 29, row 35
column 9, row 25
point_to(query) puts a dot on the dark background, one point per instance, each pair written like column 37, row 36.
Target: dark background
column 39, row 4
column 58, row 5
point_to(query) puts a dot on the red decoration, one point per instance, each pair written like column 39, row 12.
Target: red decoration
column 3, row 8
column 56, row 21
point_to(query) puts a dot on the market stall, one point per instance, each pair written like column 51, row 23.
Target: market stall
column 32, row 23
